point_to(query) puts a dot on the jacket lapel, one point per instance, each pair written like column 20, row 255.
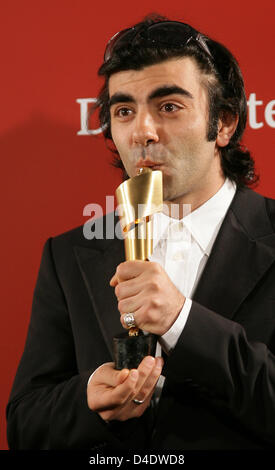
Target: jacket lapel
column 97, row 266
column 243, row 251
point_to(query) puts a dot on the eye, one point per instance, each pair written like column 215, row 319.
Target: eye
column 169, row 107
column 123, row 112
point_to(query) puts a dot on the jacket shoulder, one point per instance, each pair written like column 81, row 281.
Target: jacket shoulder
column 270, row 208
column 254, row 212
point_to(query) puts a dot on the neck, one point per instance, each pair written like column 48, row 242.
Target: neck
column 191, row 200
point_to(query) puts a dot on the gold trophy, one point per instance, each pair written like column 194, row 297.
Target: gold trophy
column 138, row 199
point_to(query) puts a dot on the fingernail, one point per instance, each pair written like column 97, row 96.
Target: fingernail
column 134, row 374
column 149, row 361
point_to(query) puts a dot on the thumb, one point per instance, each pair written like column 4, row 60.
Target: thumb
column 122, row 376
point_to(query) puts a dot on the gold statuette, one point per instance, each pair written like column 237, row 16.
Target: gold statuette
column 138, row 199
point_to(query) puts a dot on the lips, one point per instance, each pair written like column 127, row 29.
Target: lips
column 148, row 164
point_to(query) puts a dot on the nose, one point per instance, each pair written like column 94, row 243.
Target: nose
column 145, row 130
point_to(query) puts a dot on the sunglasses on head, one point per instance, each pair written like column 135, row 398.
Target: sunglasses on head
column 167, row 33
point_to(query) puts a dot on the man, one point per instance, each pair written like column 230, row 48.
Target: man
column 172, row 100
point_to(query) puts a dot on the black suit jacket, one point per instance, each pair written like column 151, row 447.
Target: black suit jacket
column 220, row 378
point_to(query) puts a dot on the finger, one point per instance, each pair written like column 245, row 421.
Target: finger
column 114, row 280
column 130, row 269
column 131, row 304
column 118, row 395
column 125, row 325
column 122, row 376
column 141, row 315
column 147, row 317
column 109, row 376
column 148, row 386
column 144, row 369
column 129, row 288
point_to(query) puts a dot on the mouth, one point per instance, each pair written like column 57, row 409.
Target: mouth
column 149, row 164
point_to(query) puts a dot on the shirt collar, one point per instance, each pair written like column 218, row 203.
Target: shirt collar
column 204, row 222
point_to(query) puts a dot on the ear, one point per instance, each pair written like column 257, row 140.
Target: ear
column 226, row 127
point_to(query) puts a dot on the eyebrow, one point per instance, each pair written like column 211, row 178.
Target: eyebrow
column 167, row 90
column 160, row 92
column 121, row 98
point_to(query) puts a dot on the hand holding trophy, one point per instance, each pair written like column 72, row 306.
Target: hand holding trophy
column 138, row 198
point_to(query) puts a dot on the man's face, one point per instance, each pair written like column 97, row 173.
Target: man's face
column 159, row 118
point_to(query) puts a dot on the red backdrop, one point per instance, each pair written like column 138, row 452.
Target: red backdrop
column 50, row 53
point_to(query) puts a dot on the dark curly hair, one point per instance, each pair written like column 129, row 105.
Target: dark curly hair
column 224, row 83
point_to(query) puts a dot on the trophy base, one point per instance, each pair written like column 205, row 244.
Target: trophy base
column 130, row 350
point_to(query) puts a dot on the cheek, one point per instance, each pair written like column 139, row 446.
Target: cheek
column 124, row 152
column 121, row 134
column 115, row 135
column 191, row 128
column 196, row 129
column 120, row 143
column 185, row 143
